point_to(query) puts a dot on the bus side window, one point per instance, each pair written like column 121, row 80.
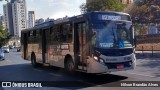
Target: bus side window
column 34, row 33
column 29, row 34
column 37, row 32
column 51, row 35
column 40, row 32
column 63, row 33
column 55, row 34
column 67, row 33
column 51, row 30
column 58, row 34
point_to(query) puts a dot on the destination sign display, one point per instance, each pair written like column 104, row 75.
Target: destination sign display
column 107, row 17
column 113, row 17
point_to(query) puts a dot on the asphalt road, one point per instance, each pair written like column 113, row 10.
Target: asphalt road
column 16, row 69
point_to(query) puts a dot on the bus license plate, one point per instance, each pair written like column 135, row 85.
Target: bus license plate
column 120, row 66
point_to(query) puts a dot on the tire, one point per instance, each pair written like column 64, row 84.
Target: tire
column 33, row 61
column 69, row 65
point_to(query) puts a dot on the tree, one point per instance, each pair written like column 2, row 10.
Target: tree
column 145, row 11
column 102, row 5
column 4, row 37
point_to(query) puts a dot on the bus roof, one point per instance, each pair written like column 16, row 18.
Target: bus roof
column 67, row 19
column 39, row 26
column 112, row 12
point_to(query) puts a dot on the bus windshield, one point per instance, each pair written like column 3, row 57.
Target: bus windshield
column 113, row 34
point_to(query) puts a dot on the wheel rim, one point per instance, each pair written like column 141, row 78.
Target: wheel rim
column 70, row 66
column 33, row 62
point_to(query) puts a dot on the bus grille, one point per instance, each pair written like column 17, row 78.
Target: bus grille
column 115, row 52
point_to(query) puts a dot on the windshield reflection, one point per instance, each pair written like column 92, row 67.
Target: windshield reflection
column 112, row 34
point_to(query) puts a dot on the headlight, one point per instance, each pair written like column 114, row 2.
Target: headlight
column 99, row 60
column 95, row 58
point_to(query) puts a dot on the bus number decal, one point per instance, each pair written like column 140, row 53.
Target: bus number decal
column 106, row 44
column 55, row 50
column 65, row 46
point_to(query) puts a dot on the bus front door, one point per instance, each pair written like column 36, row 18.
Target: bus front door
column 80, row 45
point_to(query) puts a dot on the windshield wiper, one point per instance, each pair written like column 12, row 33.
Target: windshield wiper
column 114, row 38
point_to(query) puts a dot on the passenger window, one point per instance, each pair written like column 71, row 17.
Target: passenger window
column 34, row 33
column 67, row 33
column 28, row 34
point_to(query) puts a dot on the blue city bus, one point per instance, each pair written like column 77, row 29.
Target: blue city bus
column 94, row 42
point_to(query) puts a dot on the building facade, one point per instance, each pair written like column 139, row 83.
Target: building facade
column 48, row 20
column 1, row 18
column 8, row 18
column 39, row 21
column 31, row 19
column 15, row 17
column 2, row 21
column 19, row 16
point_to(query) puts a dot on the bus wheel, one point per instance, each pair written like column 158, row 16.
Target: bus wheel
column 33, row 61
column 69, row 65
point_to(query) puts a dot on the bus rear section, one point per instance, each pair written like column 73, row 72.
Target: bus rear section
column 24, row 44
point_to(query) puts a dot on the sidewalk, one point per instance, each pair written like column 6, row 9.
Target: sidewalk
column 148, row 54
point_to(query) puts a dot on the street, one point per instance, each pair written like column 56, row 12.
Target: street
column 14, row 68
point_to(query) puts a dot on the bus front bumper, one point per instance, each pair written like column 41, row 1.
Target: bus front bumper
column 96, row 67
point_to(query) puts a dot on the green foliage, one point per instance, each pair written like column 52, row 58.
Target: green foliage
column 143, row 2
column 102, row 5
column 4, row 37
column 145, row 11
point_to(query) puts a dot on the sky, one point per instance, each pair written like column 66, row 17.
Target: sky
column 1, row 7
column 52, row 8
